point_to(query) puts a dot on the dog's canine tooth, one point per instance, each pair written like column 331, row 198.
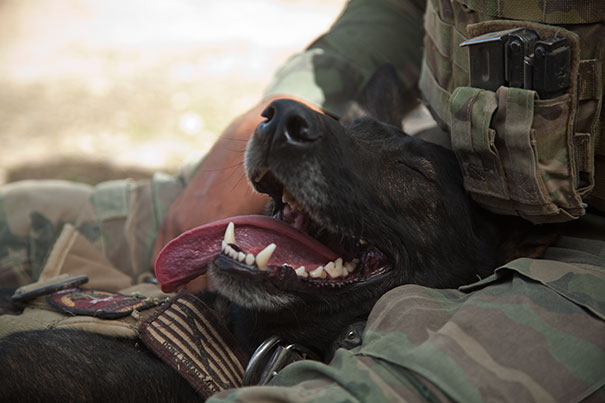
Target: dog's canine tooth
column 260, row 174
column 249, row 259
column 318, row 273
column 262, row 258
column 301, row 272
column 230, row 234
column 241, row 256
column 223, row 246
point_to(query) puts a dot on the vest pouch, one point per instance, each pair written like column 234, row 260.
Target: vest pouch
column 471, row 111
column 530, row 157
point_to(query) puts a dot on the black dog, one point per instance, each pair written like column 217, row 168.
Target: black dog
column 390, row 208
column 357, row 210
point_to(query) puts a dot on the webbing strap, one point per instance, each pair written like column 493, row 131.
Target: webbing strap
column 544, row 11
column 589, row 72
column 188, row 336
column 436, row 98
column 446, row 38
column 471, row 111
column 517, row 109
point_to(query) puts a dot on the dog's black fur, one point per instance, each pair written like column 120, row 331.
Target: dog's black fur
column 366, row 180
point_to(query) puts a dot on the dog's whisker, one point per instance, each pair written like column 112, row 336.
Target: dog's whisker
column 239, row 181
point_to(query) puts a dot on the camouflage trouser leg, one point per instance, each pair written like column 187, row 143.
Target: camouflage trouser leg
column 120, row 218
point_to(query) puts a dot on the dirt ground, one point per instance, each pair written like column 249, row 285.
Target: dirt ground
column 93, row 90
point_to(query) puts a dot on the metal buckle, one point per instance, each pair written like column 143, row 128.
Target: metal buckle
column 271, row 357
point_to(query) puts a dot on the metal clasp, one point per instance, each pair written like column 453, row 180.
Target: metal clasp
column 271, row 357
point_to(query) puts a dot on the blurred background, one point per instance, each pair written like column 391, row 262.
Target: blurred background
column 93, row 90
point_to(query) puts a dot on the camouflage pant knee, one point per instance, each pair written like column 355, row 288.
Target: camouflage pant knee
column 119, row 218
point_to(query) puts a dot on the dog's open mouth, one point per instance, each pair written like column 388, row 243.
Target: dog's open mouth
column 290, row 249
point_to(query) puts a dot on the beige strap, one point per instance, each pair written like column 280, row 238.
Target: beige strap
column 471, row 111
column 188, row 336
column 514, row 120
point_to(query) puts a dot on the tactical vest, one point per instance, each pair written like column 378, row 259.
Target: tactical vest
column 519, row 154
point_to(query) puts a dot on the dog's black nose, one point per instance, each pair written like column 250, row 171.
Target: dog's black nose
column 290, row 121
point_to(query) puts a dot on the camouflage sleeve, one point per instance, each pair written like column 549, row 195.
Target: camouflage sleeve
column 534, row 331
column 119, row 218
column 367, row 34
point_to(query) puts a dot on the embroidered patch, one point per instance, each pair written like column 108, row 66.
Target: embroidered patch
column 100, row 304
column 189, row 337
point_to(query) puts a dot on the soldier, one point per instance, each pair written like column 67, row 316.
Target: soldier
column 527, row 146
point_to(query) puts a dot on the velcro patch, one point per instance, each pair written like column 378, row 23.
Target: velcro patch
column 187, row 336
column 100, row 304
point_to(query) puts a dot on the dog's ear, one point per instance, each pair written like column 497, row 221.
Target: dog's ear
column 383, row 98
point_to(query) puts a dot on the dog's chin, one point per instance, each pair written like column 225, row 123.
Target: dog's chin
column 253, row 295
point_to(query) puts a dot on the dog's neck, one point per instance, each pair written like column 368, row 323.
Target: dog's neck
column 313, row 326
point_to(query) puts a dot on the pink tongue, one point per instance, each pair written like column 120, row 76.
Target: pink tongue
column 187, row 256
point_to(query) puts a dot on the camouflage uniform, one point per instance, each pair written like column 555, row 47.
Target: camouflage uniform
column 112, row 225
column 534, row 331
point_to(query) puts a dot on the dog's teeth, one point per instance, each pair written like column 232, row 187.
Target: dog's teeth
column 338, row 263
column 249, row 259
column 262, row 258
column 301, row 272
column 339, row 270
column 230, row 234
column 362, row 242
column 318, row 273
column 260, row 174
column 350, row 266
column 331, row 269
column 241, row 256
column 229, row 251
column 223, row 246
